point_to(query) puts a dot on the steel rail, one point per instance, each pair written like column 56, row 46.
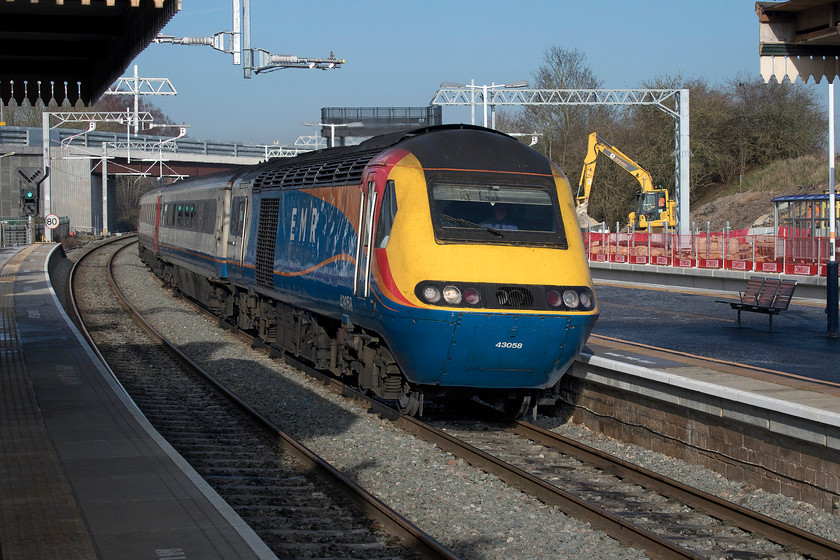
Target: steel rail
column 413, row 537
column 623, row 531
column 776, row 531
column 616, row 527
column 71, row 296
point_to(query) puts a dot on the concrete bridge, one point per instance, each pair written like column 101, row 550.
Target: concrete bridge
column 78, row 163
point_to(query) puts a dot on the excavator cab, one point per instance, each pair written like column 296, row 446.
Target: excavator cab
column 650, row 204
column 653, row 209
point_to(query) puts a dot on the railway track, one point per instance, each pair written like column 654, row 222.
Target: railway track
column 661, row 515
column 637, row 507
column 296, row 502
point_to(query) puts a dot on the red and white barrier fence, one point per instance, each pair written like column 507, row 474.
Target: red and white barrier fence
column 737, row 250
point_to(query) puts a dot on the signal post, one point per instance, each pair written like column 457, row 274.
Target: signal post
column 29, row 181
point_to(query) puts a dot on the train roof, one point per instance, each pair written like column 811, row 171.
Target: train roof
column 345, row 165
column 384, row 141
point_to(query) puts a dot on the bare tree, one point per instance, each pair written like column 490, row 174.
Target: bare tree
column 565, row 127
column 129, row 190
column 775, row 121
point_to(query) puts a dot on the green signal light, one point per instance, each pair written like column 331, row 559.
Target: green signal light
column 30, row 194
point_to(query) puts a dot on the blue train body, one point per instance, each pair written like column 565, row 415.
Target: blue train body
column 374, row 262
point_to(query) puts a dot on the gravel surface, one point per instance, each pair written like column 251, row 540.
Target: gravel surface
column 474, row 513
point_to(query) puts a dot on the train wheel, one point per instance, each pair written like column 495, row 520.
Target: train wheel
column 409, row 403
column 517, row 406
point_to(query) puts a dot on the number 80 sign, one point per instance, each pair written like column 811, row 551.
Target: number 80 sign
column 51, row 221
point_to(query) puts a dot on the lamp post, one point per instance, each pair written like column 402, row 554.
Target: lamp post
column 484, row 93
column 831, row 300
column 332, row 128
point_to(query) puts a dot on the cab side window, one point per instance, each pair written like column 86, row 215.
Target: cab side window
column 237, row 214
column 387, row 213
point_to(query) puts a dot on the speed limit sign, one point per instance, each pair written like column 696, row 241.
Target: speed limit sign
column 51, row 221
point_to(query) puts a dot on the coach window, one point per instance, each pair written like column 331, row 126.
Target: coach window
column 193, row 222
column 209, row 217
column 387, row 212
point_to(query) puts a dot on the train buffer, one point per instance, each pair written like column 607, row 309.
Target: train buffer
column 770, row 296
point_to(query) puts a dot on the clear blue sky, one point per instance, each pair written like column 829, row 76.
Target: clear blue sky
column 399, row 52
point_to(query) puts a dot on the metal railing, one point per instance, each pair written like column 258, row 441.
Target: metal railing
column 14, row 231
column 29, row 136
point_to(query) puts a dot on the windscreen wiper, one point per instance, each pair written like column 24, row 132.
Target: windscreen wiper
column 463, row 222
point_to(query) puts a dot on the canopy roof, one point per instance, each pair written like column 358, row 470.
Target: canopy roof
column 73, row 49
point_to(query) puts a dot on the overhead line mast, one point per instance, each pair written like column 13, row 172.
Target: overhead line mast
column 238, row 43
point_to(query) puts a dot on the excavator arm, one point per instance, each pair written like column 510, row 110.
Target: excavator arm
column 598, row 145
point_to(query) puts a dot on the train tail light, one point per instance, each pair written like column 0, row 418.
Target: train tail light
column 472, row 296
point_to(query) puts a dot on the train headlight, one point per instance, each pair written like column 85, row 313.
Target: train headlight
column 585, row 300
column 472, row 296
column 571, row 299
column 452, row 295
column 431, row 294
column 554, row 299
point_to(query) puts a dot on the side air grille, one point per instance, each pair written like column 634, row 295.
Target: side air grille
column 266, row 241
column 516, row 297
column 317, row 171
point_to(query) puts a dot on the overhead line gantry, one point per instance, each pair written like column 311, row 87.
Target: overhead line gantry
column 674, row 102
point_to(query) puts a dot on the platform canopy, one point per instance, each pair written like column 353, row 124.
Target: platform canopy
column 73, row 49
column 799, row 38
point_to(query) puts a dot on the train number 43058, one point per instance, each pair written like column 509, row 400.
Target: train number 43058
column 513, row 345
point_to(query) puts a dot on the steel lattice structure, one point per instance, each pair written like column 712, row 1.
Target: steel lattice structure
column 524, row 96
column 672, row 101
column 66, row 117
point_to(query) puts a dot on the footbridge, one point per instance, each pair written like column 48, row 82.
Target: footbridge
column 78, row 161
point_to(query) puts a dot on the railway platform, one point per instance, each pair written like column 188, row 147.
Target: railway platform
column 82, row 473
column 755, row 403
